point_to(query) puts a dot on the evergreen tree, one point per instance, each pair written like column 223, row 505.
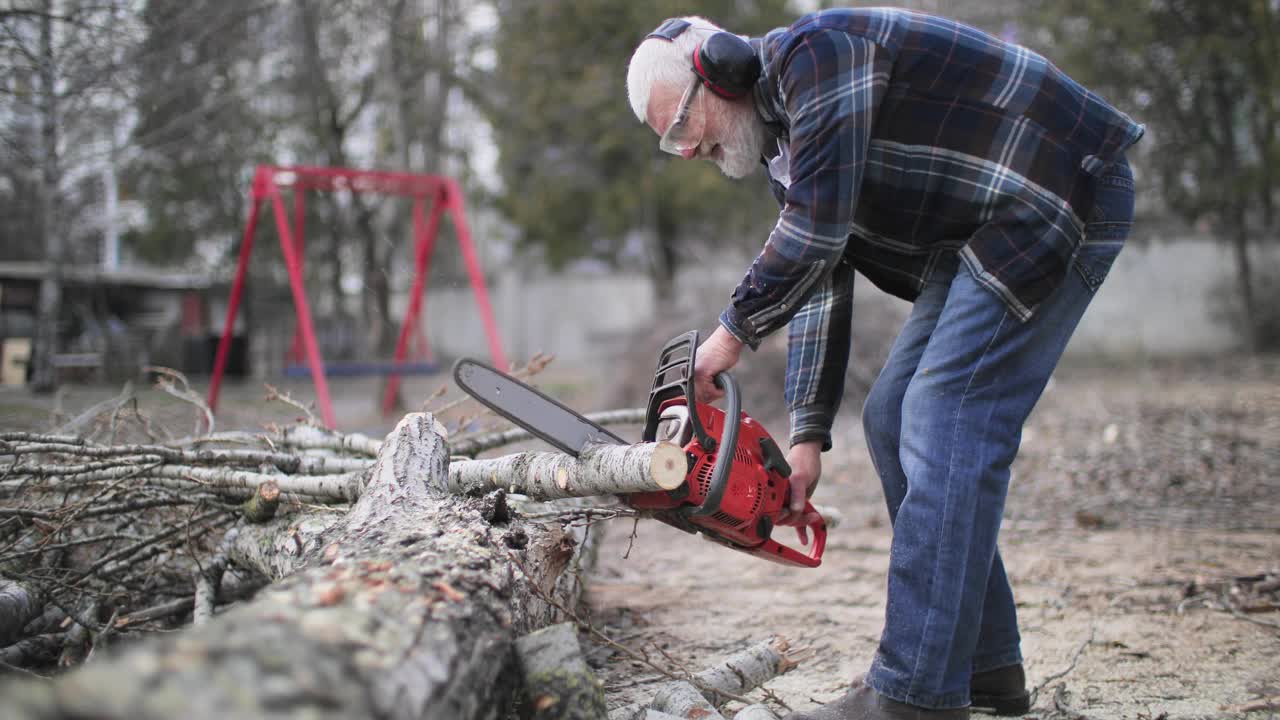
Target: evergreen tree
column 1202, row 75
column 201, row 126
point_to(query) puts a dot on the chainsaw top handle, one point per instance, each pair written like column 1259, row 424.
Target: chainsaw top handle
column 726, row 448
column 673, row 379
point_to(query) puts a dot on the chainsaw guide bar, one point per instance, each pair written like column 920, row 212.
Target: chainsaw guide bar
column 540, row 415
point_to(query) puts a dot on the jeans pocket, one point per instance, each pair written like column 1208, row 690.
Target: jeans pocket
column 1108, row 226
column 1094, row 260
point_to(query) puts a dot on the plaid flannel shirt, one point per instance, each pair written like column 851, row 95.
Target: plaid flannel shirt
column 910, row 137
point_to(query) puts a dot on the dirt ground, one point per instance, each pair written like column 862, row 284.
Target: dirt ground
column 1144, row 509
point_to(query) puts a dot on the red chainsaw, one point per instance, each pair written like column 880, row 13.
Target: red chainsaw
column 736, row 485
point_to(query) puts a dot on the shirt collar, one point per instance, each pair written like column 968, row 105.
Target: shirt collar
column 766, row 101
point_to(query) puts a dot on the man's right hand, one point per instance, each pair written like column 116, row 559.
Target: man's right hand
column 805, row 459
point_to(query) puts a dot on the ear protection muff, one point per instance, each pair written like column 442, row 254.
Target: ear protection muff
column 727, row 64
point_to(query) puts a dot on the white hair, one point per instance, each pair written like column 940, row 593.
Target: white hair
column 657, row 62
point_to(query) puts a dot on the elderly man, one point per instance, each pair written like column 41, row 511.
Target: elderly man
column 960, row 172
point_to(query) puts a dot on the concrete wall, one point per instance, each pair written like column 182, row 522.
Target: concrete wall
column 1158, row 301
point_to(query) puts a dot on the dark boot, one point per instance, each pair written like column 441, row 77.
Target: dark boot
column 863, row 703
column 1002, row 691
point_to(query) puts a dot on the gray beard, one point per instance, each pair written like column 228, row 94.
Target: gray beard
column 743, row 145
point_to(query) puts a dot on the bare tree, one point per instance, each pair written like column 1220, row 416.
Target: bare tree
column 50, row 302
column 332, row 113
column 63, row 59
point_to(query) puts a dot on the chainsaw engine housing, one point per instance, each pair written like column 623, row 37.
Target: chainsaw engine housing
column 753, row 494
column 736, row 500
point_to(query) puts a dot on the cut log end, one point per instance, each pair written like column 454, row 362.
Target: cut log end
column 668, row 466
column 262, row 506
column 269, row 491
column 782, row 646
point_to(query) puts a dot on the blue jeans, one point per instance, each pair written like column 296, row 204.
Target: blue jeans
column 943, row 422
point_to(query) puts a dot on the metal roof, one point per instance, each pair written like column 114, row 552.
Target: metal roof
column 96, row 275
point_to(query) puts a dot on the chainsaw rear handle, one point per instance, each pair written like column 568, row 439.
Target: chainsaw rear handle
column 726, row 448
column 776, row 551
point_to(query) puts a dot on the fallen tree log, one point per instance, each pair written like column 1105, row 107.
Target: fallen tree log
column 755, row 712
column 731, row 678
column 684, row 701
column 746, row 670
column 406, row 606
column 558, row 684
column 600, row 470
column 35, row 649
column 19, row 605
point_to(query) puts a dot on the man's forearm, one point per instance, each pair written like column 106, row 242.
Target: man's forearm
column 818, row 341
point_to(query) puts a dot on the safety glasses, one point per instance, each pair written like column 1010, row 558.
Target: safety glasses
column 686, row 128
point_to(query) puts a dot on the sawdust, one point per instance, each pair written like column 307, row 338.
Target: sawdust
column 1144, row 504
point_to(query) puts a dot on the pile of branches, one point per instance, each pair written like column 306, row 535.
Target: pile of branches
column 101, row 540
column 1248, row 597
column 110, row 528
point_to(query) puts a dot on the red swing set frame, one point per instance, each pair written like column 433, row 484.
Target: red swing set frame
column 444, row 195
